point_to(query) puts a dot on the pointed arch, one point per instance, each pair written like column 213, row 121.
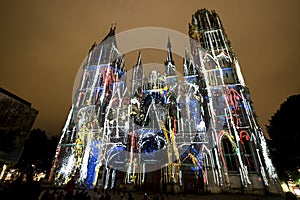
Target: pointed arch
column 247, row 151
column 227, row 149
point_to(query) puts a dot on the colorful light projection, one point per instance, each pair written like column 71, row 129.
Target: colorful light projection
column 205, row 123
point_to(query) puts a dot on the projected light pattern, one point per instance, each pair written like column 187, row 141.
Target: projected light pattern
column 232, row 113
column 203, row 123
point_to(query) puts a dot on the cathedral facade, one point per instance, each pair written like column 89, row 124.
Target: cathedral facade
column 136, row 130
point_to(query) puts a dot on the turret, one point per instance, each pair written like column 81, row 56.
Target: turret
column 137, row 75
column 170, row 69
column 186, row 62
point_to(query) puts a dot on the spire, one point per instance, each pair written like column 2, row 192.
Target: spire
column 186, row 55
column 109, row 45
column 138, row 69
column 139, row 61
column 137, row 75
column 112, row 29
column 169, row 63
column 111, row 32
column 169, row 43
column 170, row 58
column 186, row 62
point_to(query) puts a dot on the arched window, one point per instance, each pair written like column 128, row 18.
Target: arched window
column 229, row 154
column 246, row 151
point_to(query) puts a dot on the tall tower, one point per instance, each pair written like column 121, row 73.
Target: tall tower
column 241, row 161
column 93, row 128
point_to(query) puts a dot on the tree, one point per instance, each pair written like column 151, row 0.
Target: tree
column 284, row 131
column 38, row 151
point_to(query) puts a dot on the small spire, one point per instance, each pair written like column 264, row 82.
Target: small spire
column 139, row 61
column 169, row 43
column 113, row 26
column 111, row 32
column 186, row 56
column 186, row 62
column 112, row 29
column 170, row 58
column 169, row 63
column 186, row 53
column 138, row 71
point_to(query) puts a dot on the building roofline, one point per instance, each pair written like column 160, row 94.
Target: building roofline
column 2, row 90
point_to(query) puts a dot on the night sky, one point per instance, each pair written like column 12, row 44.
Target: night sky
column 43, row 43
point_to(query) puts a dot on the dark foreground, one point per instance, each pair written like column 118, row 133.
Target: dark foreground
column 138, row 196
column 141, row 196
column 35, row 192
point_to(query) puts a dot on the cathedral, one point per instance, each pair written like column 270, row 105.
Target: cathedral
column 155, row 132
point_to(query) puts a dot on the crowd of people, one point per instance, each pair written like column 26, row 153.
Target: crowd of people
column 82, row 194
column 34, row 190
column 59, row 194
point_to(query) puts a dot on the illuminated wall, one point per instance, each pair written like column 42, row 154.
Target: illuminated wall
column 200, row 132
column 241, row 156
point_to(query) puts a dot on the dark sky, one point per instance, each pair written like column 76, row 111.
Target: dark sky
column 43, row 43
